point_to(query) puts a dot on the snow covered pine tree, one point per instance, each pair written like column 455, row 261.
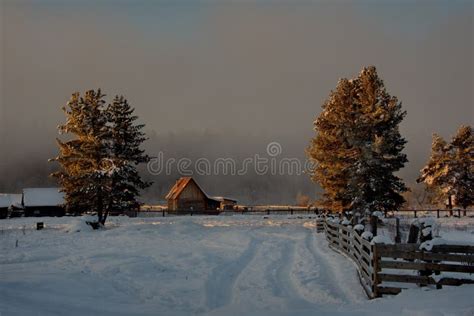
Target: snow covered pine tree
column 450, row 170
column 98, row 166
column 358, row 146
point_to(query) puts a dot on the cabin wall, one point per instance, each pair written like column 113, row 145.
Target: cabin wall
column 191, row 197
column 228, row 204
column 3, row 212
column 212, row 204
column 44, row 211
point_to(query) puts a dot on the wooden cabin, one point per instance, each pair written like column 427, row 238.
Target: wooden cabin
column 187, row 196
column 43, row 202
column 8, row 202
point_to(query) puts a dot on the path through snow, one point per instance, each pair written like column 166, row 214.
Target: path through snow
column 175, row 266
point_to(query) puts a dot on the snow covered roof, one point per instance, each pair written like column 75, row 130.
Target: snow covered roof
column 7, row 200
column 43, row 197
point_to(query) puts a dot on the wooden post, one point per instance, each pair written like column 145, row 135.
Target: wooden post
column 414, row 213
column 459, row 213
column 373, row 225
column 424, row 238
column 465, row 213
column 268, row 211
column 291, row 211
column 413, row 234
column 398, row 238
column 375, row 271
column 437, row 213
column 163, row 213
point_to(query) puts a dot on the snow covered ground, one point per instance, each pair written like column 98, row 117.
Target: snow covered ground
column 222, row 265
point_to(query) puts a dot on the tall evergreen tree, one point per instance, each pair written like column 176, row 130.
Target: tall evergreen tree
column 450, row 170
column 84, row 158
column 330, row 150
column 126, row 139
column 379, row 145
column 358, row 147
column 98, row 165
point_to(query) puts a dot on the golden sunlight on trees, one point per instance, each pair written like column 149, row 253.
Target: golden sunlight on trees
column 358, row 146
column 449, row 172
column 98, row 164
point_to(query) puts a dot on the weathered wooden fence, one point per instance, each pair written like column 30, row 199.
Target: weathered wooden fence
column 380, row 266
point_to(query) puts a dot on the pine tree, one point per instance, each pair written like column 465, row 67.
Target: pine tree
column 126, row 138
column 330, row 151
column 99, row 164
column 358, row 146
column 379, row 145
column 450, row 170
column 84, row 159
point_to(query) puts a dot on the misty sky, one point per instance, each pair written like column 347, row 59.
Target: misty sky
column 248, row 71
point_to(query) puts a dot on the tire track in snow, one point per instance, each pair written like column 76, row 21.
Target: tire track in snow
column 329, row 271
column 280, row 277
column 220, row 284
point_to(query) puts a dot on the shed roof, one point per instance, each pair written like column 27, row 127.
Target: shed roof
column 42, row 197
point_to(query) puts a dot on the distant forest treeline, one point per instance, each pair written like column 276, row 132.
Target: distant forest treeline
column 33, row 169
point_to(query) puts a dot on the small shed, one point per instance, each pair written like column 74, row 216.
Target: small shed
column 43, row 202
column 9, row 201
column 186, row 195
column 225, row 202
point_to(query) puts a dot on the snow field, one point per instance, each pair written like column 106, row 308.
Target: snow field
column 187, row 266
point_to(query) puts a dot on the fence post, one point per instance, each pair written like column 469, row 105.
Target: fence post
column 398, row 238
column 375, row 270
column 437, row 213
column 373, row 225
column 413, row 234
column 414, row 213
column 163, row 213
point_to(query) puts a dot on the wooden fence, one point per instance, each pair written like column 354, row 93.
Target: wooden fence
column 438, row 212
column 405, row 263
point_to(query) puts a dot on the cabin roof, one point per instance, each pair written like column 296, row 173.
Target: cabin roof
column 9, row 199
column 42, row 197
column 179, row 186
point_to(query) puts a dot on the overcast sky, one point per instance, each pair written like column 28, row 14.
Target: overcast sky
column 253, row 70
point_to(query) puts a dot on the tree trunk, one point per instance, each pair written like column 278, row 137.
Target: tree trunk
column 450, row 205
column 100, row 207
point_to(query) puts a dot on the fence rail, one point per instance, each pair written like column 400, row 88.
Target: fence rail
column 406, row 263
